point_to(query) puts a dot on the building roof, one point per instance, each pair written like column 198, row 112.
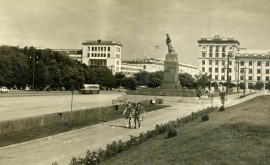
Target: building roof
column 218, row 40
column 101, row 42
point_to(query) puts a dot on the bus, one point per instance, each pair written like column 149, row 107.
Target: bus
column 90, row 89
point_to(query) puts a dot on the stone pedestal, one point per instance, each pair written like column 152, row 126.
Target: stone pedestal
column 171, row 68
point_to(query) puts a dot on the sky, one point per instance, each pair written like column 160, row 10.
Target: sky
column 140, row 25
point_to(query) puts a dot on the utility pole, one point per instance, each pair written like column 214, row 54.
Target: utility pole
column 237, row 62
column 228, row 69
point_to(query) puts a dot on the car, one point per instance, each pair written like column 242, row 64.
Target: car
column 3, row 89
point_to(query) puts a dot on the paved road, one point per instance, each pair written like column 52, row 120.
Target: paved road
column 63, row 147
column 22, row 104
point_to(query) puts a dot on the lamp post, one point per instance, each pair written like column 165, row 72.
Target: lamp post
column 33, row 66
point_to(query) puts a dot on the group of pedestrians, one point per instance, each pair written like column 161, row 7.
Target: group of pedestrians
column 134, row 112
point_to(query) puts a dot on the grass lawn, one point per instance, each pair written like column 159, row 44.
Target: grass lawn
column 40, row 132
column 238, row 135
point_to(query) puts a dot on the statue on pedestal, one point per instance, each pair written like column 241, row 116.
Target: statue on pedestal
column 169, row 43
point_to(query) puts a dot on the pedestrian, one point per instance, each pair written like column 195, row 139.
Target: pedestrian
column 136, row 116
column 141, row 111
column 128, row 115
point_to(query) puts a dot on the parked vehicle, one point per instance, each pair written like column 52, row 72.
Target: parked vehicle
column 3, row 89
column 90, row 89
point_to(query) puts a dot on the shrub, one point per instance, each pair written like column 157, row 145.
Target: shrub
column 205, row 117
column 221, row 108
column 172, row 132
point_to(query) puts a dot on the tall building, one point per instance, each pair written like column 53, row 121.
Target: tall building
column 102, row 53
column 219, row 57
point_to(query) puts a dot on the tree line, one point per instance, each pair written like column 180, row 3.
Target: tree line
column 50, row 70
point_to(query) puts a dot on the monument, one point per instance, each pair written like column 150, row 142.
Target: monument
column 171, row 68
column 170, row 85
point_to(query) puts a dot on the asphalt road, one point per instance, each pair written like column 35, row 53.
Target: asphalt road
column 19, row 104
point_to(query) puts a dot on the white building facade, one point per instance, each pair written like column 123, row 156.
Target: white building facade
column 154, row 65
column 219, row 57
column 102, row 53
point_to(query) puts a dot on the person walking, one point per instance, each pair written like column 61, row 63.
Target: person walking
column 141, row 111
column 136, row 116
column 128, row 115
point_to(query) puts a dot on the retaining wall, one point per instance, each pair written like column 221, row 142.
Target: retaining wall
column 61, row 117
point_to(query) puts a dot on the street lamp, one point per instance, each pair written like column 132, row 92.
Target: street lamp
column 34, row 57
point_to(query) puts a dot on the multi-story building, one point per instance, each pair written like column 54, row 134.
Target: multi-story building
column 102, row 53
column 130, row 69
column 75, row 54
column 153, row 65
column 222, row 57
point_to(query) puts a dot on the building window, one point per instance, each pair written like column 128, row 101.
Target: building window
column 230, row 77
column 210, row 62
column 259, row 63
column 98, row 55
column 258, row 78
column 88, row 54
column 223, row 54
column 108, row 54
column 242, row 63
column 267, row 78
column 92, row 55
column 101, row 48
column 230, row 70
column 216, row 70
column 109, row 49
column 241, row 77
column 203, row 69
column 203, row 54
column 223, row 49
column 230, row 63
column 266, row 71
column 216, row 62
column 250, row 78
column 98, row 48
column 267, row 63
column 203, row 62
column 222, row 70
column 117, row 62
column 250, row 63
column 88, row 48
column 117, row 49
column 222, row 78
column 250, row 71
column 210, row 54
column 230, row 54
column 93, row 49
column 210, row 70
column 258, row 71
column 216, row 77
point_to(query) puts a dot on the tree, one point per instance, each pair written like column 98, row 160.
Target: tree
column 203, row 81
column 186, row 80
column 119, row 79
column 142, row 78
column 129, row 83
column 155, row 79
column 259, row 85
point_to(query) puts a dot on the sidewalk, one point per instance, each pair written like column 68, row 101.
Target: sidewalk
column 63, row 147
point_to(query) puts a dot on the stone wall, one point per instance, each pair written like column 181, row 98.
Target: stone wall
column 163, row 92
column 57, row 118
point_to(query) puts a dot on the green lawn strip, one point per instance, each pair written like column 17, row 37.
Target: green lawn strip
column 238, row 135
column 40, row 132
